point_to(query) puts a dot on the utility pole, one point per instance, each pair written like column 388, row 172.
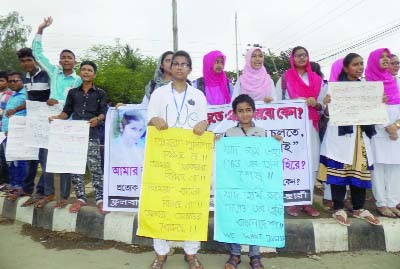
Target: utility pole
column 175, row 24
column 237, row 53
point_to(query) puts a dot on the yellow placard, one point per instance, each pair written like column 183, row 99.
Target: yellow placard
column 176, row 180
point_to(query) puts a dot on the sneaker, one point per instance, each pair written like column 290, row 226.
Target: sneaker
column 292, row 211
column 311, row 211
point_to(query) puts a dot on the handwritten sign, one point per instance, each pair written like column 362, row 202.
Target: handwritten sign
column 124, row 155
column 68, row 146
column 15, row 150
column 37, row 123
column 356, row 103
column 249, row 192
column 289, row 120
column 176, row 185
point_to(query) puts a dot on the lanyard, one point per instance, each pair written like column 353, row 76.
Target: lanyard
column 176, row 104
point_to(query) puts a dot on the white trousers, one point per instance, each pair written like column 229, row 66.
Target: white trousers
column 386, row 184
column 162, row 247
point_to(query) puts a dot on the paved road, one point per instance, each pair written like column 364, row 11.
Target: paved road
column 18, row 250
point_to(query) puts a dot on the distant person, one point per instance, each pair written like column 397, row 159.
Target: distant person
column 214, row 82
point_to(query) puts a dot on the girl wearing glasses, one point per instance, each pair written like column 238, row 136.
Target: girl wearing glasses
column 300, row 82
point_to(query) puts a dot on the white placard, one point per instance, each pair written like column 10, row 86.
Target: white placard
column 68, row 146
column 356, row 103
column 37, row 123
column 15, row 149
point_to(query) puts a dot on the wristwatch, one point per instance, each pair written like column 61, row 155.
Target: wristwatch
column 397, row 123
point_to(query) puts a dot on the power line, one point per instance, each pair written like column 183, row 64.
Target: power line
column 367, row 41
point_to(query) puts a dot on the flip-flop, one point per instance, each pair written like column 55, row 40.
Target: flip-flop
column 61, row 203
column 31, row 201
column 44, row 201
column 367, row 216
column 395, row 211
column 341, row 214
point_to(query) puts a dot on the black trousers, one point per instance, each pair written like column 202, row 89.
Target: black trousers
column 357, row 196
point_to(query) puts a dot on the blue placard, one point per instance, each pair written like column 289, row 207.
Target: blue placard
column 249, row 192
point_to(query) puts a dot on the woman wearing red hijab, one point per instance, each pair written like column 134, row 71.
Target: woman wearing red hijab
column 300, row 82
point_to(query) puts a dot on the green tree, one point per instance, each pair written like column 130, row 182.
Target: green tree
column 122, row 71
column 282, row 63
column 13, row 36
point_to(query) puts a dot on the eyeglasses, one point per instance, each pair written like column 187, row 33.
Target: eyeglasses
column 395, row 63
column 14, row 80
column 182, row 65
column 302, row 55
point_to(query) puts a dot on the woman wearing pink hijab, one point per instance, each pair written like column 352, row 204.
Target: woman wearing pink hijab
column 300, row 82
column 386, row 143
column 214, row 83
column 255, row 80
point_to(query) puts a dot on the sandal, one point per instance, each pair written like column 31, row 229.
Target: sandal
column 395, row 211
column 61, row 203
column 15, row 195
column 76, row 206
column 158, row 263
column 385, row 212
column 233, row 262
column 193, row 262
column 44, row 201
column 31, row 201
column 311, row 211
column 255, row 263
column 341, row 217
column 292, row 211
column 367, row 216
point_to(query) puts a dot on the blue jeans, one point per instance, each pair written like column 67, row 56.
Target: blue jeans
column 65, row 185
column 18, row 171
column 29, row 182
column 236, row 249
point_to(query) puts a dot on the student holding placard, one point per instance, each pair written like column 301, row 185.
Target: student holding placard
column 87, row 103
column 300, row 82
column 386, row 144
column 244, row 108
column 178, row 105
column 346, row 157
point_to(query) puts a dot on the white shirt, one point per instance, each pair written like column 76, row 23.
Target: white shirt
column 178, row 110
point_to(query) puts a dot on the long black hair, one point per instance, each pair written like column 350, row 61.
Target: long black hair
column 346, row 62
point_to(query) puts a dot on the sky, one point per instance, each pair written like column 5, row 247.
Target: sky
column 323, row 27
